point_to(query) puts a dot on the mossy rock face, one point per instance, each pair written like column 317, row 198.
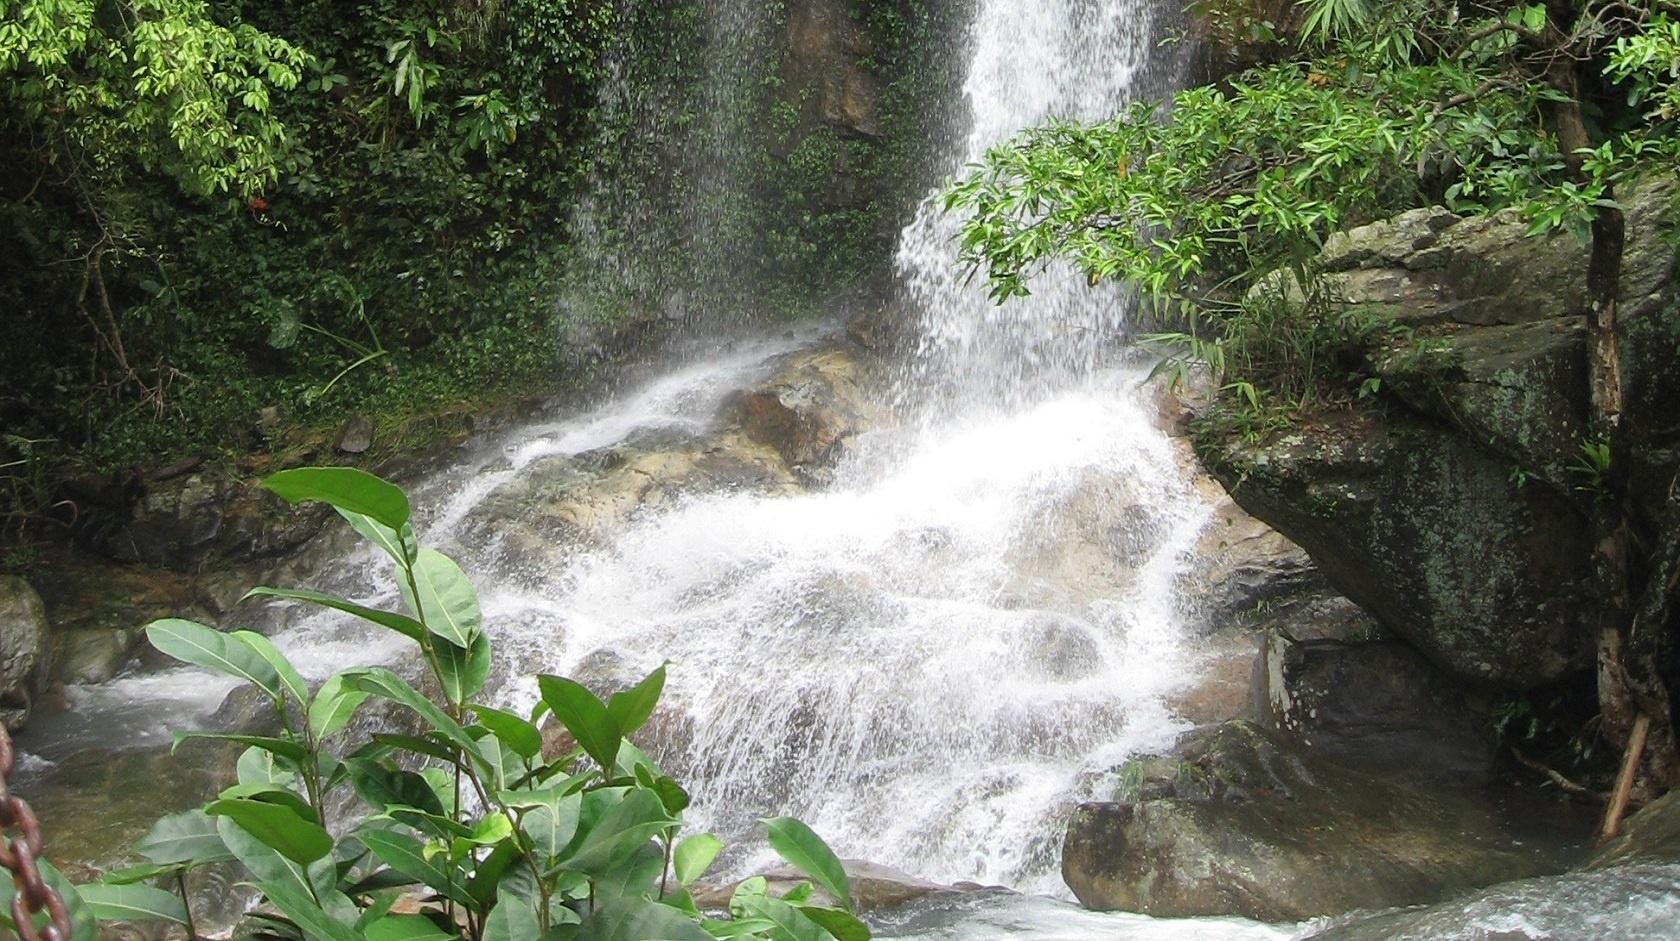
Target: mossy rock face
column 1238, row 822
column 1455, row 509
column 1429, row 533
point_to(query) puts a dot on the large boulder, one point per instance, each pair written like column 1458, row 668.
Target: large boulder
column 1455, row 511
column 23, row 650
column 1237, row 821
column 1430, row 534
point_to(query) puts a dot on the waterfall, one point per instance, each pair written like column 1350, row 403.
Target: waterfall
column 934, row 656
column 1062, row 59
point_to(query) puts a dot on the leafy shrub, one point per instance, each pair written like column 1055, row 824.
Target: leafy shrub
column 495, row 841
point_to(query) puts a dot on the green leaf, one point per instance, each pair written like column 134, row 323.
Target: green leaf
column 209, row 648
column 401, row 623
column 188, row 837
column 384, row 788
column 279, row 747
column 258, row 766
column 843, row 925
column 133, row 874
column 345, row 488
column 628, row 918
column 277, row 827
column 316, row 882
column 333, row 707
column 289, row 676
column 405, row 855
column 524, row 738
column 407, row 928
column 396, row 542
column 612, row 830
column 132, row 903
column 463, row 672
column 269, row 794
column 584, row 716
column 694, row 855
column 387, row 685
column 443, row 599
column 83, row 925
column 306, row 913
column 807, row 852
column 631, row 708
column 512, row 919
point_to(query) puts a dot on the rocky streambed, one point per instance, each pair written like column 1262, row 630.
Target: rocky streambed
column 1253, row 745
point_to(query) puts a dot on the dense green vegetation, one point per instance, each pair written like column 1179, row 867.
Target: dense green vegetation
column 468, row 812
column 1364, row 110
column 222, row 208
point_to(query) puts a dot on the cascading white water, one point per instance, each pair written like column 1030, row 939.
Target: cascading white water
column 1061, row 59
column 931, row 659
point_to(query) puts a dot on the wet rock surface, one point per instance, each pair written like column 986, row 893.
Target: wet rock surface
column 1375, row 705
column 24, row 653
column 875, row 888
column 1455, row 511
column 1238, row 821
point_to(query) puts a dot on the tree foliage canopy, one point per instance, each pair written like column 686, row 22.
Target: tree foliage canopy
column 1371, row 111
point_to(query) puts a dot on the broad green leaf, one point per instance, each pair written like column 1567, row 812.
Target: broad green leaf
column 405, row 855
column 396, row 542
column 843, row 925
column 83, row 925
column 551, row 827
column 493, row 829
column 345, row 488
column 628, row 918
column 308, row 914
column 463, row 672
column 407, row 928
column 132, row 903
column 317, row 882
column 584, row 716
column 521, row 736
column 278, row 827
column 278, row 747
column 431, row 748
column 209, row 648
column 188, row 837
column 289, row 676
column 333, row 707
column 807, row 852
column 387, row 685
column 694, row 855
column 612, row 830
column 512, row 919
column 133, row 874
column 443, row 599
column 631, row 708
column 383, row 788
column 486, row 881
column 401, row 623
column 258, row 766
column 269, row 794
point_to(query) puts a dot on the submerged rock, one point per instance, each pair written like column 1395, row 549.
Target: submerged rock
column 1237, row 821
